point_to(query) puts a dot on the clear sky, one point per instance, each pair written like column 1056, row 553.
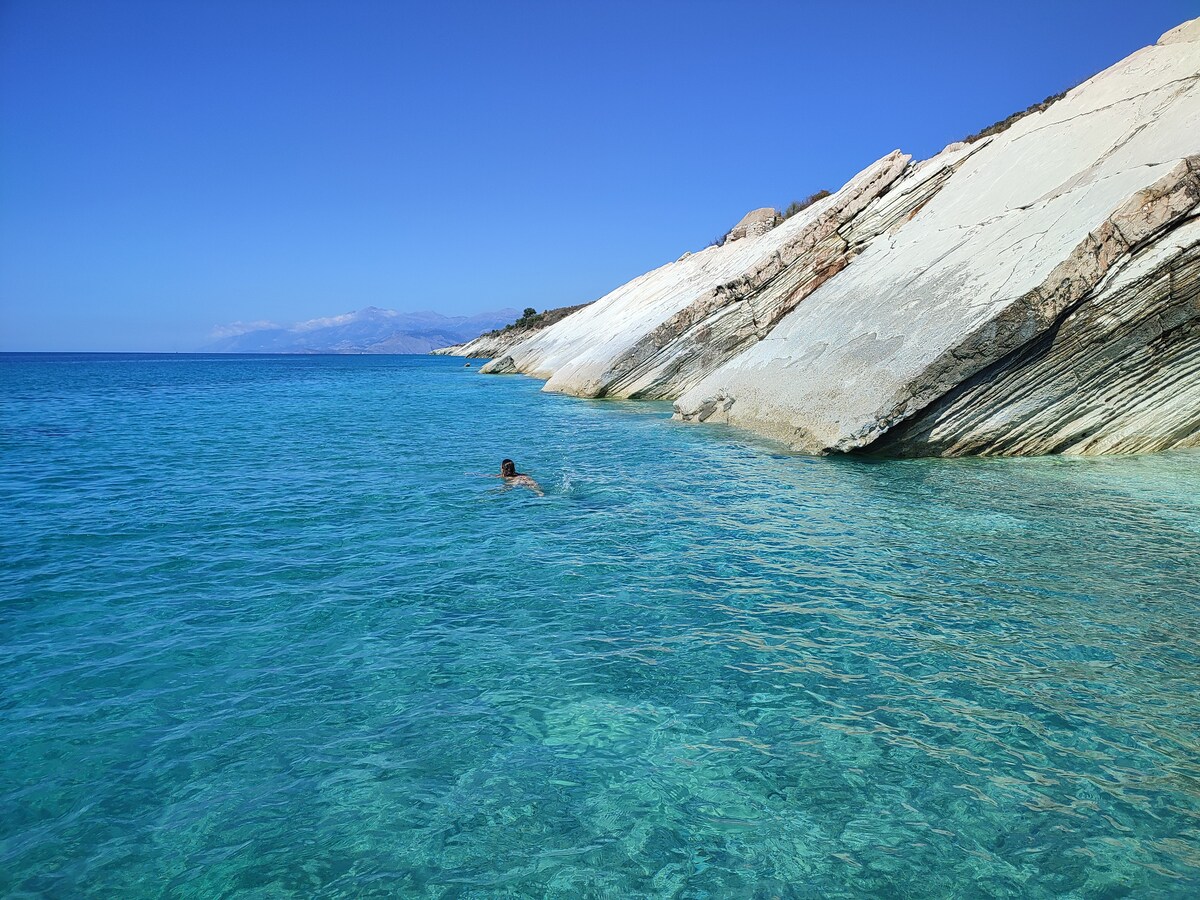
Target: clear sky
column 167, row 167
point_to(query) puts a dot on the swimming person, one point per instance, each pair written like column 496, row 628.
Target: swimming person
column 508, row 471
column 513, row 478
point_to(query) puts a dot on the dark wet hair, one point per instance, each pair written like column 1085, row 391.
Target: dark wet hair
column 508, row 468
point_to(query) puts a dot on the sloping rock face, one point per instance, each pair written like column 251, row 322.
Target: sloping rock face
column 580, row 348
column 1032, row 292
column 734, row 316
column 1043, row 300
column 662, row 333
column 1117, row 370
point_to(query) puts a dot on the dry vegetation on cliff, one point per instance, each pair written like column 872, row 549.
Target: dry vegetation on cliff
column 532, row 320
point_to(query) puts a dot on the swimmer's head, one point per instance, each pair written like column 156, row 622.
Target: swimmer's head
column 508, row 468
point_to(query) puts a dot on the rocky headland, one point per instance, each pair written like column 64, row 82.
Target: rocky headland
column 1035, row 290
column 497, row 342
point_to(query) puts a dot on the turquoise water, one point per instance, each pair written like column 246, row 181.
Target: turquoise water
column 261, row 637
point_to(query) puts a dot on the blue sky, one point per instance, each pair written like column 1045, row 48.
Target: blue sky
column 167, row 167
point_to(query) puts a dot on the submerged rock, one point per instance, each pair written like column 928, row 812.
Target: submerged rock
column 501, row 366
column 1033, row 292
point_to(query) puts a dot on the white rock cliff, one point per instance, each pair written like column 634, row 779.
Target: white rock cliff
column 1036, row 291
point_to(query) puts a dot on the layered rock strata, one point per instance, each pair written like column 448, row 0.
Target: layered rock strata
column 1033, row 292
column 723, row 322
column 580, row 347
column 700, row 316
column 1104, row 360
column 1027, row 230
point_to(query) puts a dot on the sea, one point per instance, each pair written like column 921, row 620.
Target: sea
column 263, row 634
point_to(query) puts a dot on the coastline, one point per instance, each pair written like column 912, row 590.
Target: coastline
column 1036, row 290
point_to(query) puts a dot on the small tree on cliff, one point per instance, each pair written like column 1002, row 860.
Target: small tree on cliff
column 529, row 319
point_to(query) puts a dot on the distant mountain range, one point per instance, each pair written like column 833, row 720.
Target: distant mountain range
column 370, row 330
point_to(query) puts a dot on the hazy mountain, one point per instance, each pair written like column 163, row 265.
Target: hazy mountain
column 370, row 330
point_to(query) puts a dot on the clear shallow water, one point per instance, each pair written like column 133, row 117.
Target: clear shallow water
column 261, row 637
